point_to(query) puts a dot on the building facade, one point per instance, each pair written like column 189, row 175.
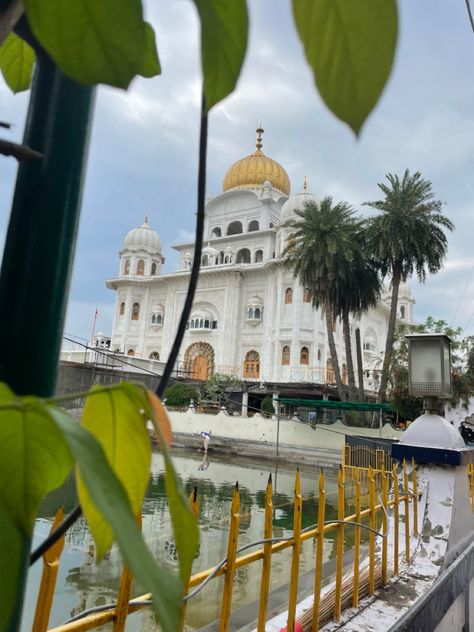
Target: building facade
column 250, row 316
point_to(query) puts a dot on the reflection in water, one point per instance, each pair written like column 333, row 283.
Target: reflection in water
column 83, row 584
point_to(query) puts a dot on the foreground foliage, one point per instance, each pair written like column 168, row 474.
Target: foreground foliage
column 111, row 451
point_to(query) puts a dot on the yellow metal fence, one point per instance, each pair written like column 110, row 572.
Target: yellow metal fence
column 377, row 495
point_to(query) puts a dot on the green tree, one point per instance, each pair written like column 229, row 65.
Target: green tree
column 181, row 394
column 320, row 253
column 267, row 406
column 407, row 237
column 216, row 387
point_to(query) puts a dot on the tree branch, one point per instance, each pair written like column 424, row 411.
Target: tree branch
column 9, row 18
column 20, row 152
column 469, row 12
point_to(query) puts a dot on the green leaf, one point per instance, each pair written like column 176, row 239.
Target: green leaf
column 350, row 47
column 34, row 458
column 92, row 41
column 185, row 527
column 224, row 27
column 16, row 63
column 14, row 548
column 150, row 64
column 108, row 494
column 115, row 420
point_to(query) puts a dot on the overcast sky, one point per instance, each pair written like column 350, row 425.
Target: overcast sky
column 143, row 154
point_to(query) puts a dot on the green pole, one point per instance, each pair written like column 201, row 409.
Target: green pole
column 40, row 244
column 41, row 237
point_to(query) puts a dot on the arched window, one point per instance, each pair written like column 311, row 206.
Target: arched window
column 253, row 225
column 136, row 311
column 252, row 364
column 234, row 228
column 304, row 355
column 344, row 374
column 402, row 311
column 285, row 355
column 258, row 256
column 319, row 355
column 154, row 355
column 306, row 295
column 329, row 372
column 159, row 319
column 243, row 256
column 288, row 296
column 122, row 309
column 250, row 312
column 140, row 267
column 205, row 260
column 257, row 313
column 153, row 269
column 153, row 319
column 207, row 324
column 126, row 269
column 216, row 233
column 131, row 352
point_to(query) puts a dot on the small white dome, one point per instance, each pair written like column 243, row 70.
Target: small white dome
column 143, row 237
column 188, row 255
column 229, row 250
column 295, row 203
column 432, row 431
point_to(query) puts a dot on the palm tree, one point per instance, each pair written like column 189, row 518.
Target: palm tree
column 319, row 252
column 408, row 236
column 361, row 292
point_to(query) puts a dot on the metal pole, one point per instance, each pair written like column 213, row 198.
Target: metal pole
column 278, row 429
column 360, row 367
column 40, row 243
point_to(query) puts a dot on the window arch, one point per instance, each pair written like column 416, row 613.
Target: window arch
column 257, row 314
column 154, row 355
column 140, row 267
column 285, row 355
column 243, row 256
column 250, row 313
column 122, row 309
column 205, row 260
column 126, row 268
column 258, row 256
column 344, row 374
column 234, row 228
column 136, row 311
column 329, row 372
column 253, row 225
column 131, row 352
column 319, row 355
column 304, row 355
column 288, row 296
column 153, row 268
column 216, row 232
column 402, row 311
column 306, row 295
column 252, row 364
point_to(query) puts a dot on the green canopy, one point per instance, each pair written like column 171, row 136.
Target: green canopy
column 325, row 403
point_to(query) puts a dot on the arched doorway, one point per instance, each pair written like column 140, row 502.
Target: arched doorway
column 199, row 360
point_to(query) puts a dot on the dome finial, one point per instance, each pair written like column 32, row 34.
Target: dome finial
column 146, row 220
column 259, row 137
column 305, row 183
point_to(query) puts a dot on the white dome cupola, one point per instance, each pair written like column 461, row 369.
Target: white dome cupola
column 141, row 253
column 296, row 203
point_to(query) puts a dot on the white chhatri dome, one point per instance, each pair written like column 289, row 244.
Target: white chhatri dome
column 143, row 237
column 296, row 203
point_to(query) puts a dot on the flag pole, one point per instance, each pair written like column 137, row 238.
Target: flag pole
column 93, row 325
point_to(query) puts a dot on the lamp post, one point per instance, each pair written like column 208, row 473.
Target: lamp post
column 430, row 438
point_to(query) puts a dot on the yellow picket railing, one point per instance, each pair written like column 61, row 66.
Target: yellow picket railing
column 384, row 493
column 470, row 478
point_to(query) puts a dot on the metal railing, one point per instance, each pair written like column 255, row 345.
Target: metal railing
column 375, row 507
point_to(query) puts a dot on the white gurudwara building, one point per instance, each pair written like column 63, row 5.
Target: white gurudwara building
column 250, row 316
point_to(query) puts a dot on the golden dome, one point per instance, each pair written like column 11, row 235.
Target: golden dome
column 253, row 170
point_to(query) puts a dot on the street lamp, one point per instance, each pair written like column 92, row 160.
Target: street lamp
column 430, row 438
column 429, row 367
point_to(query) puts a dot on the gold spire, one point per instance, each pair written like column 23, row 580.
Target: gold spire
column 305, row 183
column 259, row 137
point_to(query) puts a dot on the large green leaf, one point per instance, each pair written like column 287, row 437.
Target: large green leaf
column 34, row 458
column 13, row 546
column 185, row 527
column 151, row 64
column 224, row 27
column 350, row 46
column 16, row 63
column 117, row 423
column 92, row 41
column 110, row 497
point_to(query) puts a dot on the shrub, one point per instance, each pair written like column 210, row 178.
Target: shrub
column 181, row 395
column 267, row 406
